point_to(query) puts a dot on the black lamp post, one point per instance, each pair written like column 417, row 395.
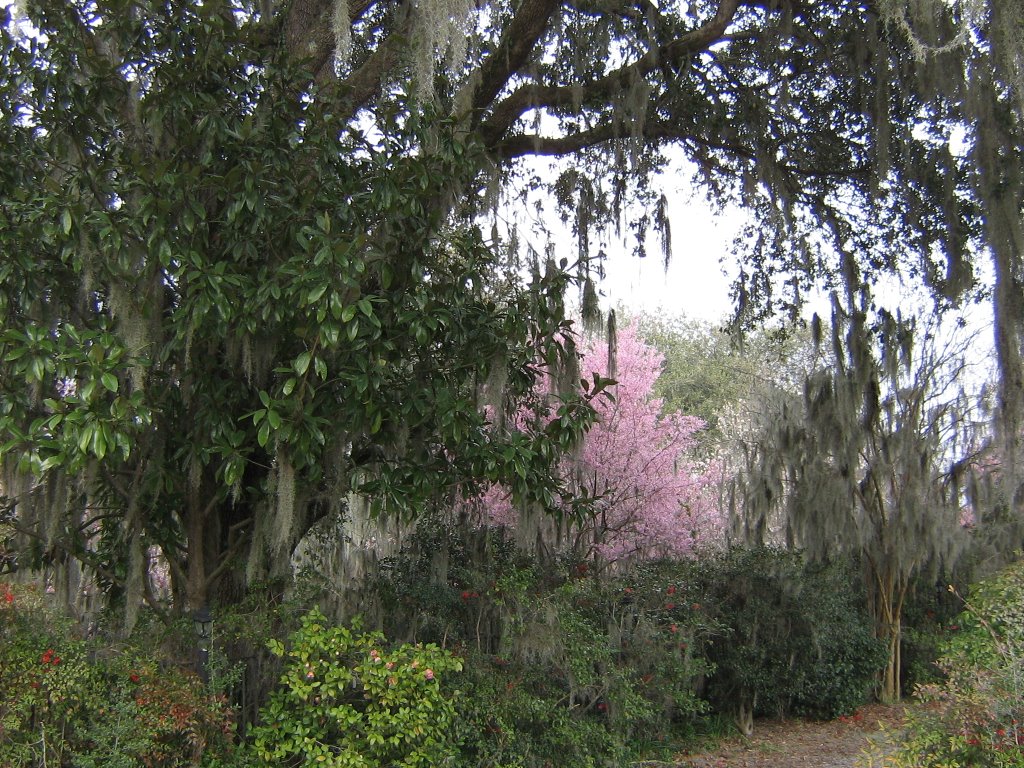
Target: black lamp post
column 204, row 631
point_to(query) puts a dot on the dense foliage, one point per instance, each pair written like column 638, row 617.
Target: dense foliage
column 69, row 701
column 536, row 662
column 246, row 272
column 221, row 314
column 797, row 637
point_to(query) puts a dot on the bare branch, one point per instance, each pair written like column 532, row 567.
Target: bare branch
column 518, row 146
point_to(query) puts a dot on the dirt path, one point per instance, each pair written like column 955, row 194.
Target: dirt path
column 800, row 743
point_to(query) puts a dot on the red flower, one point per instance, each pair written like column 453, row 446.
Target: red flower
column 466, row 595
column 134, row 677
column 671, row 590
column 669, row 606
column 602, row 707
column 673, row 628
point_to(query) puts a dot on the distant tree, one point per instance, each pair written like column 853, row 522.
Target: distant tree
column 869, row 461
column 651, row 496
column 712, row 373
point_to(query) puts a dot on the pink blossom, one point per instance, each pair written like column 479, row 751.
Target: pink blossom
column 653, row 498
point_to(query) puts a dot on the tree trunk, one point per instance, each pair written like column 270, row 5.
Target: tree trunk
column 887, row 607
column 195, row 536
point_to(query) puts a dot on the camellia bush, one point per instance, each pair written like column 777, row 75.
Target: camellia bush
column 346, row 699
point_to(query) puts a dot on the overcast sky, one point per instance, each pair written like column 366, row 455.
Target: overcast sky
column 695, row 284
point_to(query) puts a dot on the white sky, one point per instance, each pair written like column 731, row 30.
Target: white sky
column 697, row 281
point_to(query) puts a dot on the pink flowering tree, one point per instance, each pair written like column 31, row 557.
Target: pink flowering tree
column 652, row 497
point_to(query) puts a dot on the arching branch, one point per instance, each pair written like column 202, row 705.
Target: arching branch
column 535, row 96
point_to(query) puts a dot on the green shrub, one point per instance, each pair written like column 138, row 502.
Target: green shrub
column 796, row 638
column 346, row 699
column 517, row 714
column 591, row 670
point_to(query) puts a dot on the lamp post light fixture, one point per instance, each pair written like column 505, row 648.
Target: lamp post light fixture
column 203, row 622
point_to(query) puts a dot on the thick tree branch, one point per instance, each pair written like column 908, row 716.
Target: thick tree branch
column 672, row 54
column 309, row 33
column 520, row 145
column 365, row 83
column 512, row 52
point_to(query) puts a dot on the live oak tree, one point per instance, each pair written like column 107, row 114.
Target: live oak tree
column 243, row 265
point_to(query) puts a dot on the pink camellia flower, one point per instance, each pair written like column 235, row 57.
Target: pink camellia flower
column 429, row 674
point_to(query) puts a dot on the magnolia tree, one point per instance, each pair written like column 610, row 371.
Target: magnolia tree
column 650, row 496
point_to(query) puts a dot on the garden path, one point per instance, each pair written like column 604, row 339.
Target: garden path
column 842, row 743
